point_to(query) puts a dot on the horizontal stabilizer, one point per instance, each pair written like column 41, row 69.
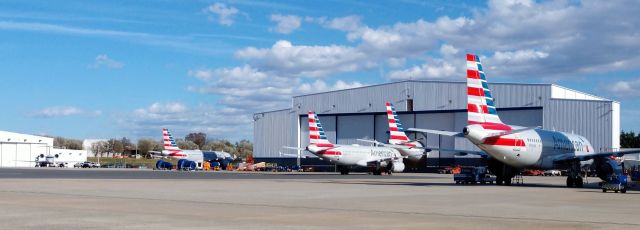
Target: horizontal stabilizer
column 438, row 132
column 504, row 133
column 293, row 148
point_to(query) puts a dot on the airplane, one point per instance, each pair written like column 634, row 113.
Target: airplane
column 346, row 156
column 172, row 150
column 511, row 148
column 398, row 139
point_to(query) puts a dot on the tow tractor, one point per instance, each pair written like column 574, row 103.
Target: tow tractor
column 473, row 175
column 616, row 183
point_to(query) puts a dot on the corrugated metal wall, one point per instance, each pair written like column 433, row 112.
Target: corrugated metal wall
column 353, row 127
column 591, row 119
column 272, row 131
column 519, row 104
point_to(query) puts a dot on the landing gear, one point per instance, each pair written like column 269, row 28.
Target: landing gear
column 377, row 171
column 574, row 179
column 344, row 170
column 503, row 172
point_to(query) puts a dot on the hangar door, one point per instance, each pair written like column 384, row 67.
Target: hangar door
column 328, row 124
column 353, row 127
column 437, row 121
column 382, row 126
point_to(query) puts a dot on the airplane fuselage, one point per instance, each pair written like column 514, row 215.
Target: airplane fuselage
column 192, row 155
column 536, row 148
column 350, row 155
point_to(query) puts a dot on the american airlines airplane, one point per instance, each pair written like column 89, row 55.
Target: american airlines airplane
column 346, row 156
column 172, row 150
column 511, row 148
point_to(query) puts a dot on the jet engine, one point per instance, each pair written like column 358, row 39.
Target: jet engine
column 605, row 168
column 396, row 167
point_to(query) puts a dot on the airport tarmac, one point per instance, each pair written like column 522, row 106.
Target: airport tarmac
column 145, row 199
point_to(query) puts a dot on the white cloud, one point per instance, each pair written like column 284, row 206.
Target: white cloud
column 630, row 88
column 63, row 111
column 348, row 23
column 286, row 23
column 322, row 86
column 103, row 61
column 243, row 91
column 435, row 69
column 286, row 59
column 548, row 38
column 180, row 118
column 224, row 13
column 178, row 43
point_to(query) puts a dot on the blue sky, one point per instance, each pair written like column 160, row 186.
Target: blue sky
column 100, row 69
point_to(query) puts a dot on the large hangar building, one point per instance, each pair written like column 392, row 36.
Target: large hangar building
column 359, row 113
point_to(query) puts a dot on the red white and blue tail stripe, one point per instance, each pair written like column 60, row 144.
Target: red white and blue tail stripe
column 168, row 141
column 397, row 136
column 317, row 135
column 481, row 107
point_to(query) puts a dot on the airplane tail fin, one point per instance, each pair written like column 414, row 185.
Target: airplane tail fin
column 397, row 136
column 480, row 108
column 317, row 135
column 168, row 141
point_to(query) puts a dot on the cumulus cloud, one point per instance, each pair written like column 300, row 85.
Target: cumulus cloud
column 104, row 61
column 286, row 23
column 224, row 13
column 554, row 38
column 439, row 69
column 243, row 91
column 245, row 88
column 287, row 59
column 63, row 111
column 630, row 88
column 180, row 118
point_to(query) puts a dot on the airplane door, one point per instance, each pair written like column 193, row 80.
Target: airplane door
column 518, row 143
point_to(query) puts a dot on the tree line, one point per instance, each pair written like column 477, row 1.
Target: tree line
column 629, row 140
column 191, row 141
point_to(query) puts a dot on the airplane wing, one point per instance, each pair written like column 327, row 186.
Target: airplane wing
column 304, row 153
column 438, row 132
column 156, row 153
column 464, row 152
column 369, row 163
column 565, row 158
column 386, row 145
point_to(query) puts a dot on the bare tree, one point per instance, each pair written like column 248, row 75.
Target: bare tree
column 146, row 145
column 66, row 143
column 186, row 145
column 199, row 139
column 244, row 148
column 99, row 148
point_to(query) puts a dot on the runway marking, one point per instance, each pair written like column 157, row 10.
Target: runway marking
column 327, row 209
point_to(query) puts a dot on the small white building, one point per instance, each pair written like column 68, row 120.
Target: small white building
column 22, row 150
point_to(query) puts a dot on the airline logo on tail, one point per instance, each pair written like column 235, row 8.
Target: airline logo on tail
column 317, row 136
column 169, row 142
column 397, row 135
column 481, row 107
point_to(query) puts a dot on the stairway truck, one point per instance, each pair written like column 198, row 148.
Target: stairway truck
column 616, row 183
